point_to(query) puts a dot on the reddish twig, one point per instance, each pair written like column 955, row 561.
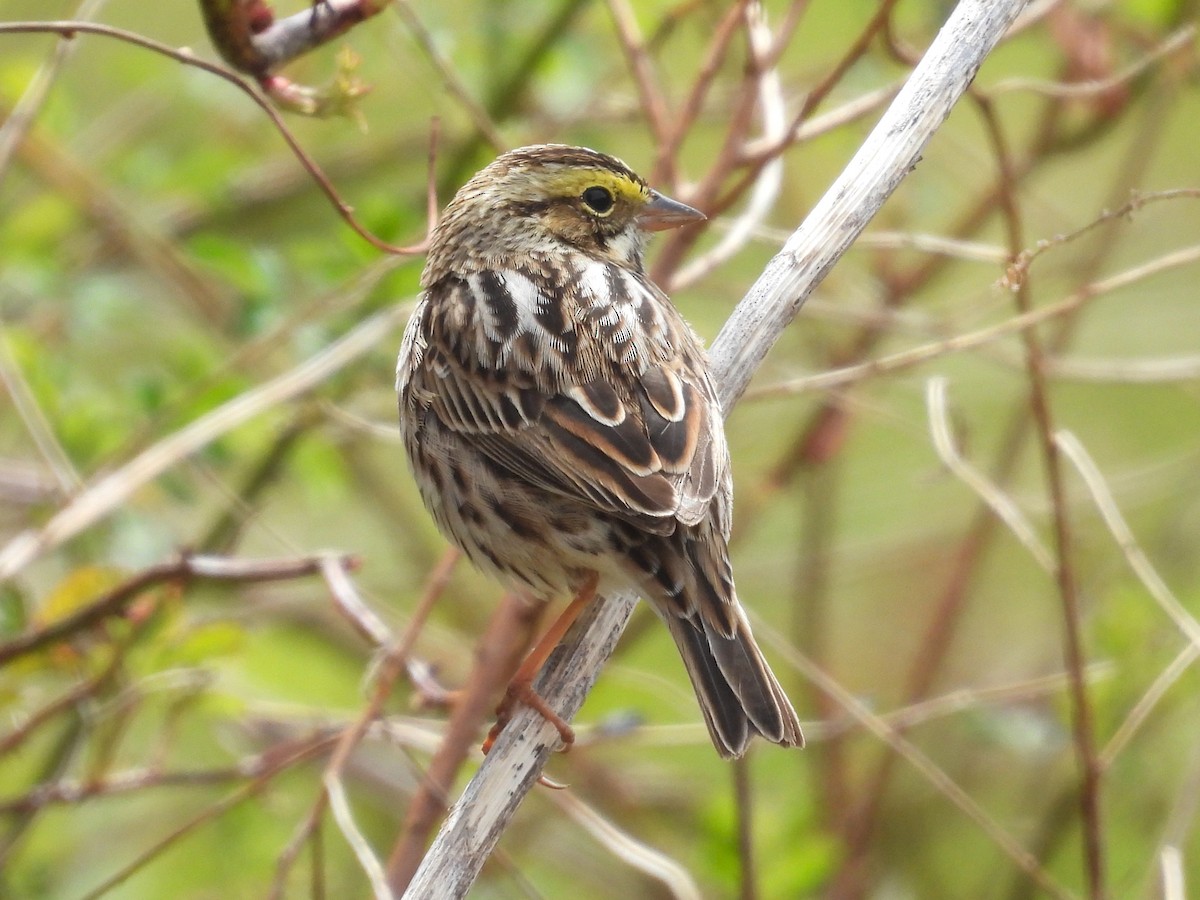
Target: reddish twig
column 497, row 656
column 650, row 93
column 1039, row 401
column 180, row 571
column 252, row 40
column 34, row 721
column 718, row 48
column 71, row 28
column 817, row 95
column 392, row 664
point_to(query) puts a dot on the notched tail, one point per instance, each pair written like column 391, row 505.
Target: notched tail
column 738, row 693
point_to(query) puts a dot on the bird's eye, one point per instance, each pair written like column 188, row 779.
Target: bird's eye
column 599, row 200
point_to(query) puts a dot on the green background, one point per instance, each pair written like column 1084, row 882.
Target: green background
column 161, row 252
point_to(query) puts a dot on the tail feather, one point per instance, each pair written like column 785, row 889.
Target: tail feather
column 738, row 693
column 689, row 582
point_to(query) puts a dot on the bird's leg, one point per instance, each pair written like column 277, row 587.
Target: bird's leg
column 520, row 688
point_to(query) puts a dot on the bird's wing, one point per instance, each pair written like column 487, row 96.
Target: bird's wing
column 570, row 404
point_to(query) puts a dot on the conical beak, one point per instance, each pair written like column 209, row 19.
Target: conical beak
column 662, row 213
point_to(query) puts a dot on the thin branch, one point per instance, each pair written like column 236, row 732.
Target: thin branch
column 394, row 660
column 339, row 805
column 31, row 722
column 962, row 699
column 1174, row 885
column 32, row 416
column 1083, row 727
column 767, row 186
column 276, row 764
column 1019, row 268
column 1180, row 40
column 718, row 49
column 744, row 817
column 260, row 48
column 450, row 78
column 817, row 95
column 183, row 55
column 886, row 157
column 106, row 494
column 350, row 603
column 1126, row 371
column 180, row 571
column 998, row 501
column 498, row 653
column 928, row 769
column 1123, row 534
column 670, row 874
column 650, row 93
column 1146, row 704
column 815, row 126
column 17, row 124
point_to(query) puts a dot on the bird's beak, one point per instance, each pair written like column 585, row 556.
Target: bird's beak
column 662, row 213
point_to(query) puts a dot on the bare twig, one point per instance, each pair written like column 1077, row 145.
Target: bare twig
column 275, row 763
column 339, row 806
column 261, row 47
column 107, row 493
column 817, row 95
column 84, row 689
column 1147, row 702
column 1174, row 885
column 718, row 48
column 1151, row 580
column 1000, row 503
column 333, row 795
column 497, row 656
column 666, row 871
column 1090, row 770
column 16, row 125
column 450, row 78
column 928, row 769
column 182, row 570
column 185, row 56
column 1019, row 268
column 744, row 805
column 1126, row 371
column 1180, row 40
column 1123, row 534
column 905, row 717
column 26, row 406
column 654, row 104
column 351, row 605
column 840, row 215
column 815, row 126
column 766, row 187
column 434, row 586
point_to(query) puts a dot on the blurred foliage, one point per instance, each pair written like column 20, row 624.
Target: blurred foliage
column 162, row 252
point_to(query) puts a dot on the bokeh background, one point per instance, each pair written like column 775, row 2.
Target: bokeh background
column 163, row 253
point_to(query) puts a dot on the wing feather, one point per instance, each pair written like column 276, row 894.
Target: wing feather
column 627, row 425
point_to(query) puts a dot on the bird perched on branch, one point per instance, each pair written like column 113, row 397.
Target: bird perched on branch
column 563, row 428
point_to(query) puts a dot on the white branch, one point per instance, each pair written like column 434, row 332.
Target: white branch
column 489, row 801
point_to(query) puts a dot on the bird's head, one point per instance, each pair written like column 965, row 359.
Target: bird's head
column 545, row 198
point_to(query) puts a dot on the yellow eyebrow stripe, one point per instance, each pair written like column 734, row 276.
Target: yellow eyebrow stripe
column 573, row 182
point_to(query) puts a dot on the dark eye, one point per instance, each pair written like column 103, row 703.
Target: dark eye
column 598, row 199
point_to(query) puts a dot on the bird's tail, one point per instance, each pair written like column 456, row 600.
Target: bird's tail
column 738, row 693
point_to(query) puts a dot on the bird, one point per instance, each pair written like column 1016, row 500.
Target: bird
column 563, row 428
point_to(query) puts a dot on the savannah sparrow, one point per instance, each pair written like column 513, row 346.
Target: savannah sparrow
column 561, row 423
